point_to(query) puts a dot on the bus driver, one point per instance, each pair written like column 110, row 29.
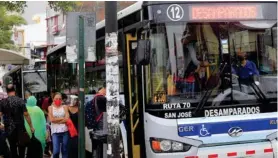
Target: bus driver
column 246, row 70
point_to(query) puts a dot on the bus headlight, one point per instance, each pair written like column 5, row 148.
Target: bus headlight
column 176, row 146
column 167, row 146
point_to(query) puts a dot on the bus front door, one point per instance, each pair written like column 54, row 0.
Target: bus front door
column 134, row 128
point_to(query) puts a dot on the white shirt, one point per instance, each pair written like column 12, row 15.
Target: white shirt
column 58, row 113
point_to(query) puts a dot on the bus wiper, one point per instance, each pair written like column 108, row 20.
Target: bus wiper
column 209, row 90
column 258, row 92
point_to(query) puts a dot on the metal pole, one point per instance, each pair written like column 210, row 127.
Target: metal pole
column 81, row 63
column 22, row 82
column 112, row 79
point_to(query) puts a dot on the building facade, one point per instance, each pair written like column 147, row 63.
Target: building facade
column 31, row 39
column 56, row 21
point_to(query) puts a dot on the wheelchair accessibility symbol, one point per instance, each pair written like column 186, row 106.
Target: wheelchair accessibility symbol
column 204, row 132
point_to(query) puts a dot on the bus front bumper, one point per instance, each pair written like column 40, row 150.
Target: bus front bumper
column 250, row 150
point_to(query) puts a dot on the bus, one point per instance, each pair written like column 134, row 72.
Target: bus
column 199, row 79
column 29, row 78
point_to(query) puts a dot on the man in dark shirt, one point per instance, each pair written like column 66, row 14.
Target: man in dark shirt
column 13, row 110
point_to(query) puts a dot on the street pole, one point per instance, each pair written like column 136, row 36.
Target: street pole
column 81, row 64
column 112, row 79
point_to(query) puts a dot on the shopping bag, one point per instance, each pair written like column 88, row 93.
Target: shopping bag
column 71, row 128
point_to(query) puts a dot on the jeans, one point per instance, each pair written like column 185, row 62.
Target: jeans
column 58, row 139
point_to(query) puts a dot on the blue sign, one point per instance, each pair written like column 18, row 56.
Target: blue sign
column 208, row 129
column 204, row 131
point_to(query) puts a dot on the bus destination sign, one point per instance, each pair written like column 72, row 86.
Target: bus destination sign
column 223, row 12
column 201, row 12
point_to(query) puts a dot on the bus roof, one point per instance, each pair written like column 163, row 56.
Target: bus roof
column 123, row 13
column 11, row 72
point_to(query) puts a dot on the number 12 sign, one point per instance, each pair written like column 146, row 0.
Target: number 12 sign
column 175, row 12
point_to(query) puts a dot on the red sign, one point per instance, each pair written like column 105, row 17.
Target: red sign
column 223, row 12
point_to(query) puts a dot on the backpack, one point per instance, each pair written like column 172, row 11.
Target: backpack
column 98, row 117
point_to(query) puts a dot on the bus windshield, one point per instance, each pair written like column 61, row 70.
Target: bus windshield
column 228, row 62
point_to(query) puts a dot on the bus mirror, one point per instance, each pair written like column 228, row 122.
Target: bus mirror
column 143, row 52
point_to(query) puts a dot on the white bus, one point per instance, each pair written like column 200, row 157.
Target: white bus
column 29, row 78
column 199, row 78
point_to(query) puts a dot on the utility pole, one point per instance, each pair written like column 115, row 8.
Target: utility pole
column 112, row 79
column 81, row 74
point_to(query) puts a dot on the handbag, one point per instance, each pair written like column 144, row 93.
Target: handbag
column 71, row 128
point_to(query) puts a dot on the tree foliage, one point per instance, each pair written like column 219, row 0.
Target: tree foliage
column 8, row 19
column 19, row 6
column 64, row 6
column 14, row 6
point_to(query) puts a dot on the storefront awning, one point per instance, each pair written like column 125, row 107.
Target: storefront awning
column 36, row 45
column 12, row 57
column 54, row 49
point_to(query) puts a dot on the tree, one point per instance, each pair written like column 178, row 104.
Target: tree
column 14, row 6
column 19, row 6
column 64, row 6
column 8, row 20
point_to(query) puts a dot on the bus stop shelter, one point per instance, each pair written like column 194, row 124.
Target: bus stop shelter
column 12, row 57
